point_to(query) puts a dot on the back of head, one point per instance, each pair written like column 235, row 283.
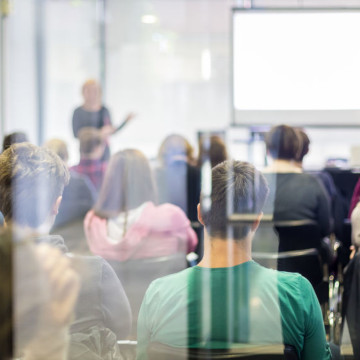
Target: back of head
column 59, row 147
column 175, row 147
column 214, row 149
column 14, row 138
column 31, row 180
column 236, row 187
column 90, row 139
column 282, row 142
column 128, row 183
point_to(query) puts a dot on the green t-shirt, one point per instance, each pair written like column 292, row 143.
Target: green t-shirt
column 221, row 307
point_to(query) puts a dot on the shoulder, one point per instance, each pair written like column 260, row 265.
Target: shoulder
column 91, row 219
column 78, row 110
column 172, row 214
column 168, row 287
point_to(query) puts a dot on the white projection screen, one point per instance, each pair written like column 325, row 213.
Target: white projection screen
column 296, row 66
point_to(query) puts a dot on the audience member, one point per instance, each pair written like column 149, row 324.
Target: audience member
column 38, row 292
column 351, row 295
column 126, row 223
column 228, row 298
column 212, row 148
column 31, row 184
column 294, row 195
column 354, row 199
column 91, row 152
column 14, row 138
column 336, row 204
column 78, row 196
column 177, row 178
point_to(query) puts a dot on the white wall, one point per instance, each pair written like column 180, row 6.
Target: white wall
column 175, row 73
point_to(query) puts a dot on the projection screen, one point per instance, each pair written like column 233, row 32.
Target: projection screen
column 299, row 67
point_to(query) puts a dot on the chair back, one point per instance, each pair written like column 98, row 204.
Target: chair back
column 158, row 351
column 300, row 235
column 136, row 276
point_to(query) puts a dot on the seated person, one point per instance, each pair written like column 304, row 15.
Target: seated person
column 34, row 317
column 91, row 164
column 337, row 206
column 355, row 198
column 177, row 178
column 78, row 196
column 28, row 173
column 227, row 298
column 126, row 224
column 294, row 195
column 351, row 297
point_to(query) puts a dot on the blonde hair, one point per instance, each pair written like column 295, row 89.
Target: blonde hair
column 90, row 82
column 59, row 147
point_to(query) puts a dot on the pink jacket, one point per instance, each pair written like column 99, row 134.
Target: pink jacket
column 159, row 231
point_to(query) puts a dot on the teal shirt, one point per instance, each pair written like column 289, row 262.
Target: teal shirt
column 220, row 307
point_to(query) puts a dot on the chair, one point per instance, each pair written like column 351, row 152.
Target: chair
column 136, row 276
column 344, row 250
column 158, row 351
column 301, row 235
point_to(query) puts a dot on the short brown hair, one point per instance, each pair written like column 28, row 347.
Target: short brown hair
column 236, row 187
column 31, row 179
column 90, row 138
column 282, row 142
column 216, row 151
column 14, row 138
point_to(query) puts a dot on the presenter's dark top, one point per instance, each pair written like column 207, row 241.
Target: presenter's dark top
column 83, row 118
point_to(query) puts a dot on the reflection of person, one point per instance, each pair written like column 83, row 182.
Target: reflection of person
column 228, row 298
column 92, row 113
column 31, row 185
column 46, row 290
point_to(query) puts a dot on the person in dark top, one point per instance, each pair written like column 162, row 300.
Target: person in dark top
column 78, row 196
column 93, row 114
column 103, row 308
column 294, row 195
column 337, row 207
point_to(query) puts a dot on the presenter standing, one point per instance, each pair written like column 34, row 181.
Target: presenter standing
column 92, row 113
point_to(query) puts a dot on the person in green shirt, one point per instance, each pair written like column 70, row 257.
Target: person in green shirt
column 229, row 300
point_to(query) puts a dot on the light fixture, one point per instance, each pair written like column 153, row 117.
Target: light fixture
column 149, row 19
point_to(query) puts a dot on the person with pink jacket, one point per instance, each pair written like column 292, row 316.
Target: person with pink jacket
column 125, row 222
